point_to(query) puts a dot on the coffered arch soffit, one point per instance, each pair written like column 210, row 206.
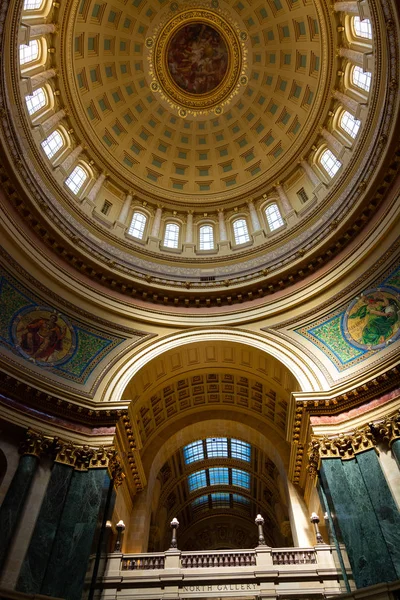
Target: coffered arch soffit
column 220, row 347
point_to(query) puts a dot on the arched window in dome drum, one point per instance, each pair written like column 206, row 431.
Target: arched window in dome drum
column 206, row 236
column 361, row 79
column 32, row 4
column 28, row 52
column 349, row 124
column 330, row 163
column 274, row 217
column 137, row 225
column 36, row 101
column 240, row 231
column 53, row 143
column 171, row 236
column 362, row 28
column 76, row 179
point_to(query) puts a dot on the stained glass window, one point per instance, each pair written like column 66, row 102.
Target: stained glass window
column 138, row 224
column 361, row 79
column 241, row 478
column 217, row 447
column 350, row 124
column 206, row 234
column 240, row 231
column 171, row 236
column 193, row 452
column 240, row 499
column 200, row 503
column 220, row 500
column 362, row 28
column 330, row 163
column 28, row 52
column 197, row 480
column 241, row 450
column 274, row 217
column 36, row 101
column 32, row 4
column 76, row 180
column 219, row 476
column 52, row 144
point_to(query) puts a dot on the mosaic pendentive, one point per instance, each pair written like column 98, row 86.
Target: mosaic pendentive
column 359, row 329
column 47, row 338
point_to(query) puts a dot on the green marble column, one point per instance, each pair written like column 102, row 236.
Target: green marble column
column 383, row 503
column 13, row 503
column 37, row 557
column 395, row 447
column 71, row 549
column 325, row 503
column 367, row 550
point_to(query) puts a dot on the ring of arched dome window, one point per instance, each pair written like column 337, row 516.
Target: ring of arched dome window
column 76, row 179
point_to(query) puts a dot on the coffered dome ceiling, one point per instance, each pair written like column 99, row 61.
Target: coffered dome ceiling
column 198, row 113
column 186, row 143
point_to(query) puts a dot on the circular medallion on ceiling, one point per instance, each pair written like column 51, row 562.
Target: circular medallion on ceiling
column 197, row 58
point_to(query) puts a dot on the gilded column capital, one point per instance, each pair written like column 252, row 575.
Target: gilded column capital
column 34, row 444
column 343, row 446
column 389, row 429
column 80, row 458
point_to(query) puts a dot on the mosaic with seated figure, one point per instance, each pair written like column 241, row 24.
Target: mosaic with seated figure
column 197, row 58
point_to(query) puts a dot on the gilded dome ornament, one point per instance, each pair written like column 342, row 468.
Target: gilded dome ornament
column 198, row 59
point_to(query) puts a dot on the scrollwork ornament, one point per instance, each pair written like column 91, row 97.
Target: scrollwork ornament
column 313, row 457
column 115, row 469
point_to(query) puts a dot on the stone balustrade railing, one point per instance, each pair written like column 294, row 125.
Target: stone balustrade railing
column 140, row 562
column 294, row 557
column 224, row 573
column 240, row 558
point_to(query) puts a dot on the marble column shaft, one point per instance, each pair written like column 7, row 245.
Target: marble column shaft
column 67, row 567
column 255, row 222
column 222, row 227
column 396, row 450
column 155, row 231
column 285, row 203
column 96, row 187
column 189, row 228
column 123, row 215
column 370, row 562
column 309, row 171
column 352, row 55
column 383, row 502
column 332, row 142
column 38, row 555
column 71, row 158
column 52, row 121
column 349, row 103
column 349, row 7
column 39, row 78
column 13, row 503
